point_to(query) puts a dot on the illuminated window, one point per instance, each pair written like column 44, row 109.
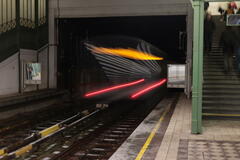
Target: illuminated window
column 7, row 15
column 27, row 13
column 41, row 12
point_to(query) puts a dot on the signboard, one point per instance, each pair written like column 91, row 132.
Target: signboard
column 32, row 73
column 233, row 20
column 176, row 75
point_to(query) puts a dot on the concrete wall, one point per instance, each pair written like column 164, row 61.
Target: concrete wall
column 35, row 56
column 96, row 8
column 43, row 59
column 27, row 56
column 104, row 8
column 28, row 108
column 9, row 71
column 9, row 75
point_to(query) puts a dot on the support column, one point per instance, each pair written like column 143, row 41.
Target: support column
column 198, row 7
column 19, row 46
column 53, row 43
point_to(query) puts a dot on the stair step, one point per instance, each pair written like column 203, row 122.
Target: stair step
column 213, row 91
column 222, row 102
column 221, row 77
column 213, row 65
column 205, row 73
column 222, row 97
column 214, row 69
column 210, row 65
column 221, row 112
column 216, row 59
column 221, row 109
column 222, row 82
column 216, row 47
column 217, row 69
column 213, row 62
column 216, row 54
column 216, row 51
column 219, row 86
column 207, row 59
column 213, row 56
column 220, row 50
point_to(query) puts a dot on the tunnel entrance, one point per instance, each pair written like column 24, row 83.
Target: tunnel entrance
column 76, row 70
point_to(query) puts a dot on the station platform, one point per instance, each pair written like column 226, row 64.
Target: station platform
column 15, row 104
column 12, row 99
column 162, row 136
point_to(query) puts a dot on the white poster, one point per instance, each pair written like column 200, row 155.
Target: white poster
column 33, row 73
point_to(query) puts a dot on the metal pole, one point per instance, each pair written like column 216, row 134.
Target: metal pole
column 48, row 67
column 20, row 70
column 189, row 51
column 197, row 67
column 37, row 62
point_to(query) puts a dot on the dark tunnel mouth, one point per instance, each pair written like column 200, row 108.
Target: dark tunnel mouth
column 72, row 31
column 148, row 29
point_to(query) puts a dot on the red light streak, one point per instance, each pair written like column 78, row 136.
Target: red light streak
column 113, row 88
column 139, row 93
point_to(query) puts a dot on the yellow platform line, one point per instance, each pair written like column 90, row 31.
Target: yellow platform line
column 223, row 115
column 49, row 130
column 23, row 150
column 150, row 137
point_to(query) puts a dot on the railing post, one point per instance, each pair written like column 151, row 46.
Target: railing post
column 198, row 7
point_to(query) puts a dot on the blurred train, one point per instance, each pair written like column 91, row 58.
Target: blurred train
column 118, row 67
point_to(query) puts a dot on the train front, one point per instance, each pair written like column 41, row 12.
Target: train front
column 133, row 69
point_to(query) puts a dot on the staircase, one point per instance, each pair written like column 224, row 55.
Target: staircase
column 221, row 90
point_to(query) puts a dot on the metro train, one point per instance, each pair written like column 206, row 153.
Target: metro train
column 129, row 67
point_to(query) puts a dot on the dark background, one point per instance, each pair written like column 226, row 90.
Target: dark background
column 161, row 31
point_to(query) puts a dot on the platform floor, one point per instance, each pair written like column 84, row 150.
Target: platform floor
column 220, row 139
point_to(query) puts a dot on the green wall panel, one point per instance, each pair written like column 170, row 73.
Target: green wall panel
column 9, row 44
column 21, row 26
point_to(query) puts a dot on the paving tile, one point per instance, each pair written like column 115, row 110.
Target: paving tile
column 208, row 150
column 220, row 139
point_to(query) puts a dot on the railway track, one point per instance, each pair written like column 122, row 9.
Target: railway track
column 24, row 130
column 101, row 145
column 104, row 144
column 96, row 138
column 95, row 134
